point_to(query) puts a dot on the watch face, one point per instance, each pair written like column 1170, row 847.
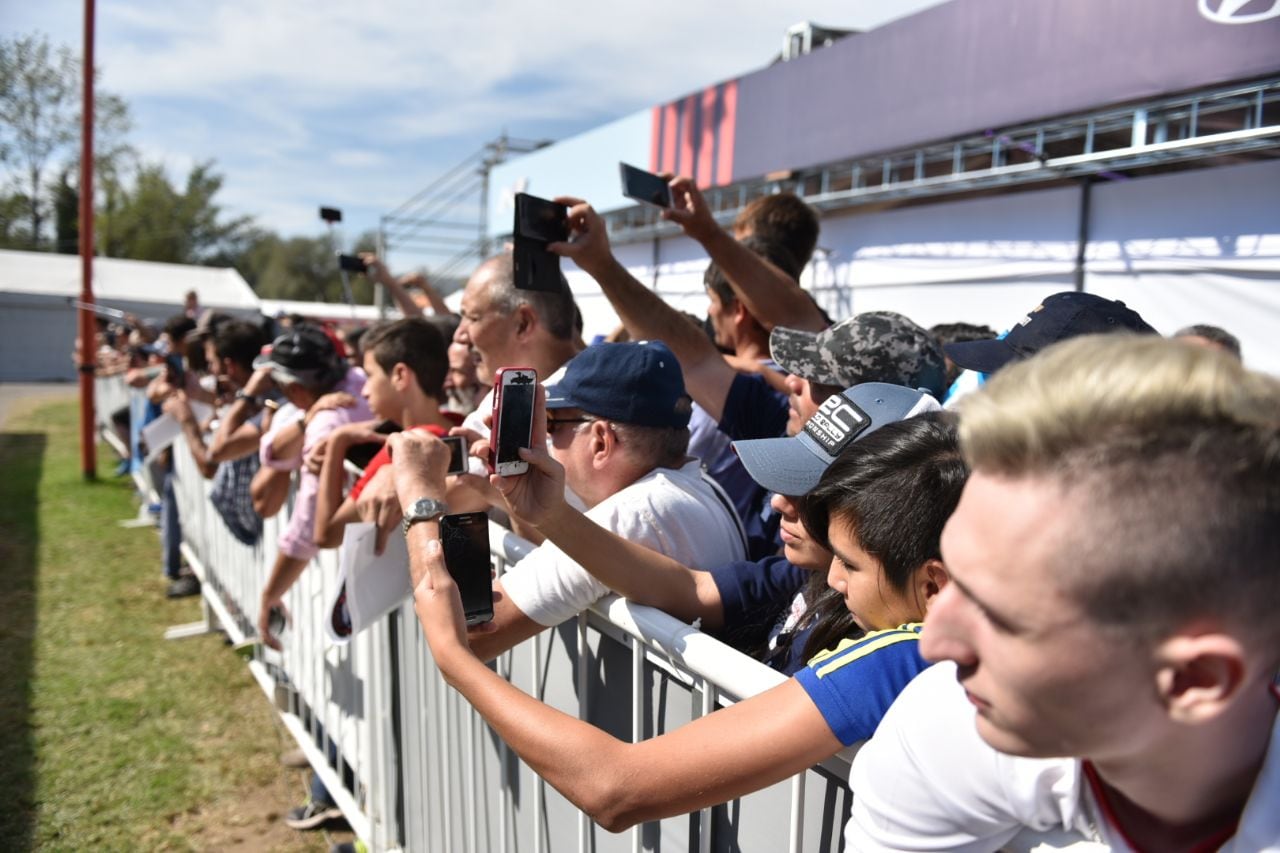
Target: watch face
column 424, row 509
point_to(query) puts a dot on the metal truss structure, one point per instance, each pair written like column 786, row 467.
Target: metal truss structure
column 1220, row 125
column 448, row 219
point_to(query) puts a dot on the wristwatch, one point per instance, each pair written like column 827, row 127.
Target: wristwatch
column 423, row 509
column 241, row 395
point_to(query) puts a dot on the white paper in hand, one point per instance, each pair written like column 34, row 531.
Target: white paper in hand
column 368, row 586
column 164, row 430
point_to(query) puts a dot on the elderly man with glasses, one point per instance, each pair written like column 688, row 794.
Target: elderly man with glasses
column 618, row 422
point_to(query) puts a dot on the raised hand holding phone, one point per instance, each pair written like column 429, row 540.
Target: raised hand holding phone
column 539, row 493
column 689, row 210
column 514, row 391
column 645, row 186
column 588, row 243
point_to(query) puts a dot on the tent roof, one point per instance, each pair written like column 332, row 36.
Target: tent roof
column 45, row 273
column 326, row 310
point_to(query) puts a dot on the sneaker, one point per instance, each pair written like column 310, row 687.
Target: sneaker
column 294, row 758
column 184, row 586
column 311, row 815
column 356, row 846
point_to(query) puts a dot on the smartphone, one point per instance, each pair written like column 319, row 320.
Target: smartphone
column 540, row 219
column 537, row 223
column 465, row 540
column 351, row 263
column 513, row 390
column 645, row 186
column 457, row 453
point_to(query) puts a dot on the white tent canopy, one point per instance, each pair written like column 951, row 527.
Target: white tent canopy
column 337, row 311
column 116, row 280
column 38, row 325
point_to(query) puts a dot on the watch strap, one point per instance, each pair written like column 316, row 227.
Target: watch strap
column 423, row 509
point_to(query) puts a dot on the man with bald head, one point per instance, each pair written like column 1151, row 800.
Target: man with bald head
column 506, row 326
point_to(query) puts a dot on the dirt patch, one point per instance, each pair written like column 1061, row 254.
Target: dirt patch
column 17, row 399
column 250, row 820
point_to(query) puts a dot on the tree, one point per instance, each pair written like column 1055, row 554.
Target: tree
column 155, row 221
column 302, row 268
column 66, row 214
column 40, row 120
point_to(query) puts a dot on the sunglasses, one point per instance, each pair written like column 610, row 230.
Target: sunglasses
column 552, row 423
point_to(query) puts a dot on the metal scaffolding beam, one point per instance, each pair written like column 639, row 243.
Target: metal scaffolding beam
column 447, row 220
column 1241, row 120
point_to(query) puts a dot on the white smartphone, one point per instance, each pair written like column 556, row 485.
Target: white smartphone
column 513, row 394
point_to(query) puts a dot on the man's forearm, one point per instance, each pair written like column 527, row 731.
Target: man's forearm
column 329, row 490
column 633, row 571
column 648, row 317
column 195, row 443
column 237, row 414
column 773, row 297
column 284, row 573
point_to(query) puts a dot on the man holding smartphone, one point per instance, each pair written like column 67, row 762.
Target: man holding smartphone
column 618, row 423
column 502, row 325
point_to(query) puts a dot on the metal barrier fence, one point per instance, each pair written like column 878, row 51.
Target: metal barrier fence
column 414, row 767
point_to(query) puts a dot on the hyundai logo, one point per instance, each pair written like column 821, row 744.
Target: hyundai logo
column 1231, row 11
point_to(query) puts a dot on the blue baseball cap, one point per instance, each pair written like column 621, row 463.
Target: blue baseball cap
column 1057, row 318
column 793, row 466
column 633, row 383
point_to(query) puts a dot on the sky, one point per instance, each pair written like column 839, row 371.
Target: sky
column 358, row 106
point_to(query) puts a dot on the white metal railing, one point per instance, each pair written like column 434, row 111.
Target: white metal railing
column 416, row 768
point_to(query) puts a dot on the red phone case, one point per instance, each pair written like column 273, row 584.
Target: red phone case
column 496, row 420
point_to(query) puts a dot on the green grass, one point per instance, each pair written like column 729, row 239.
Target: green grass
column 110, row 736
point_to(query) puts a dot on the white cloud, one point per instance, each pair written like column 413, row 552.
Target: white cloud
column 356, row 158
column 302, row 103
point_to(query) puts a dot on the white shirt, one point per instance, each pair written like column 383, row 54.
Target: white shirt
column 928, row 781
column 674, row 512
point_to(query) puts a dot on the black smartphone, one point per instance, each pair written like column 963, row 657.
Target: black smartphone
column 465, row 540
column 513, row 394
column 537, row 223
column 352, row 263
column 360, row 455
column 540, row 219
column 645, row 186
column 457, row 445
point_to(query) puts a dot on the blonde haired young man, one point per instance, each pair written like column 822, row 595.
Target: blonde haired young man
column 1110, row 618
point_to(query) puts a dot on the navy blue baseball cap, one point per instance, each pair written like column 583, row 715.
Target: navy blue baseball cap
column 794, row 465
column 633, row 383
column 1057, row 318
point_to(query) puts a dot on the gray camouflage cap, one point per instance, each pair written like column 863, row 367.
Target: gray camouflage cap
column 875, row 346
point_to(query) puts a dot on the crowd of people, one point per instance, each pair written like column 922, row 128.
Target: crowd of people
column 1034, row 572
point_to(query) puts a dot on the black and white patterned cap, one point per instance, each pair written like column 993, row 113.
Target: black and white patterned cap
column 875, row 346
